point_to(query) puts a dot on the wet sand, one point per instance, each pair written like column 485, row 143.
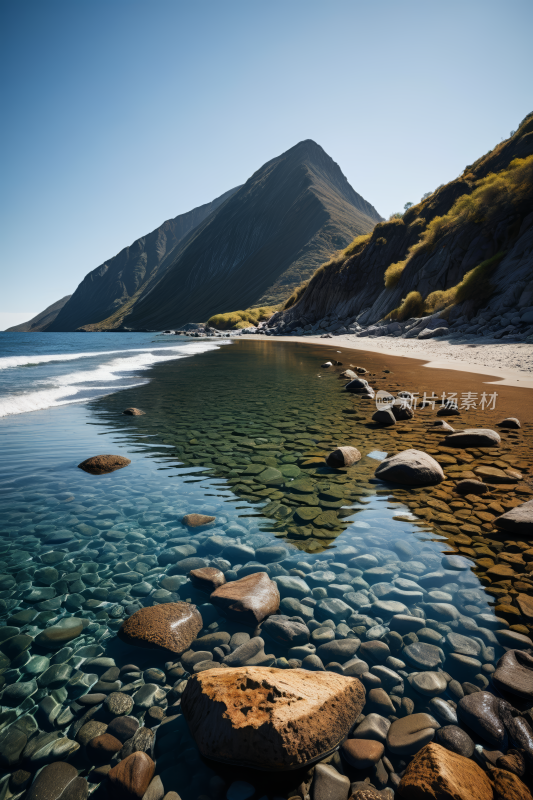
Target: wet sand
column 505, row 364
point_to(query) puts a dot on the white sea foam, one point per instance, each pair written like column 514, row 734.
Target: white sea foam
column 46, row 358
column 73, row 387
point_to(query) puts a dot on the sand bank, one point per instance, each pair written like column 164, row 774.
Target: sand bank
column 509, row 364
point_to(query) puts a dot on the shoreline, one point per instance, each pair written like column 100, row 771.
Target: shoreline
column 518, row 354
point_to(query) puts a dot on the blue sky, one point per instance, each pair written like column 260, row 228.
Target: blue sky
column 119, row 114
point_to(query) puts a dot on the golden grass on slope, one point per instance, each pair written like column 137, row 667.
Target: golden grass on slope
column 298, row 292
column 411, row 306
column 234, row 320
column 393, row 273
column 475, row 285
column 507, row 186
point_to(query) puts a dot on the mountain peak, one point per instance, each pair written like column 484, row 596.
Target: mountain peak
column 252, row 246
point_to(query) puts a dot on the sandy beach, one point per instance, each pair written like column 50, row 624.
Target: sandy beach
column 510, row 364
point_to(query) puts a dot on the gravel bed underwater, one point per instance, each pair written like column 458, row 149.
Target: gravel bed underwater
column 377, row 582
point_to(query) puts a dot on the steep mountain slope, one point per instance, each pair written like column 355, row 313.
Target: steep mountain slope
column 110, row 290
column 468, row 244
column 254, row 249
column 43, row 320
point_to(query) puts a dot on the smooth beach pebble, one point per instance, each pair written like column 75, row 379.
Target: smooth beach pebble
column 56, row 636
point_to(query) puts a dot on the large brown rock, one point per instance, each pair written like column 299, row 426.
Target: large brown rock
column 438, row 774
column 410, row 467
column 507, row 786
column 171, row 626
column 99, row 465
column 518, row 521
column 133, row 412
column 249, row 599
column 270, row 719
column 131, row 776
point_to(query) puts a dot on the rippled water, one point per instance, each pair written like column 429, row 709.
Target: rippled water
column 74, row 544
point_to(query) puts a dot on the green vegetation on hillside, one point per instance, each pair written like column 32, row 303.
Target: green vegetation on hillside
column 235, row 320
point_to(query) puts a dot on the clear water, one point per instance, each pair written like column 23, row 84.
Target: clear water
column 210, row 421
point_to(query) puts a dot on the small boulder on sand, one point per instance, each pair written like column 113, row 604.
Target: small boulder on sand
column 412, row 468
column 343, row 457
column 471, row 486
column 518, row 521
column 473, row 437
column 510, row 422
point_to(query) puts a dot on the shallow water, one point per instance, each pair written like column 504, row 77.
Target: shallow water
column 74, row 544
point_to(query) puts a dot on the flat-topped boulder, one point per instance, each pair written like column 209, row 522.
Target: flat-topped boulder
column 412, row 468
column 473, row 437
column 167, row 626
column 270, row 719
column 518, row 521
column 496, row 475
column 248, row 600
column 207, row 579
column 100, row 465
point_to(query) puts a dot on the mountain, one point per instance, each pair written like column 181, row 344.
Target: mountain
column 43, row 320
column 463, row 254
column 255, row 248
column 251, row 246
column 107, row 293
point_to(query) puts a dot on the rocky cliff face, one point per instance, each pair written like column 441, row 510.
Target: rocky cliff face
column 42, row 321
column 269, row 236
column 482, row 221
column 107, row 293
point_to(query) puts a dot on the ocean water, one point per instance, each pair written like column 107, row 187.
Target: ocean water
column 236, row 431
column 44, row 370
